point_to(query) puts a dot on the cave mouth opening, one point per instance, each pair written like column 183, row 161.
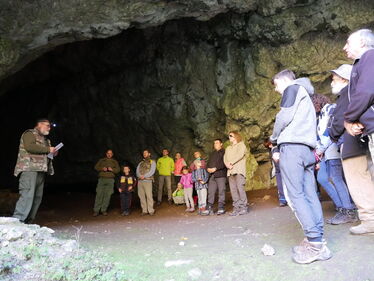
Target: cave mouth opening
column 143, row 88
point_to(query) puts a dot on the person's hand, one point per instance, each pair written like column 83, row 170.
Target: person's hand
column 52, row 149
column 214, row 170
column 130, row 187
column 230, row 166
column 120, row 190
column 55, row 153
column 276, row 156
column 105, row 169
column 317, row 166
column 110, row 169
column 353, row 129
column 142, row 177
column 358, row 128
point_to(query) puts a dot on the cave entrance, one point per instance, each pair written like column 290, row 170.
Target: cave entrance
column 144, row 88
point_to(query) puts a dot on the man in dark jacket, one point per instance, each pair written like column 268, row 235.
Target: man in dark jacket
column 359, row 121
column 218, row 172
column 359, row 116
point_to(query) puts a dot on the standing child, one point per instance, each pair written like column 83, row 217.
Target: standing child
column 200, row 177
column 126, row 188
column 186, row 181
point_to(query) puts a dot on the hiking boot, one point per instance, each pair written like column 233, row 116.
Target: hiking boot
column 234, row 213
column 346, row 216
column 95, row 214
column 105, row 213
column 312, row 251
column 221, row 212
column 365, row 227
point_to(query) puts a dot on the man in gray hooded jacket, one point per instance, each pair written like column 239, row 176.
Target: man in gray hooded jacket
column 295, row 134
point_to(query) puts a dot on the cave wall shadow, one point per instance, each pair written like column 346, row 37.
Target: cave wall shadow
column 133, row 91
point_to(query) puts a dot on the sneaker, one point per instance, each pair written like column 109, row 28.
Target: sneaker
column 363, row 228
column 170, row 202
column 192, row 210
column 344, row 216
column 338, row 214
column 243, row 212
column 95, row 214
column 125, row 213
column 221, row 212
column 152, row 214
column 299, row 247
column 188, row 210
column 143, row 214
column 352, row 213
column 304, row 243
column 208, row 211
column 234, row 213
column 105, row 213
column 158, row 203
column 312, row 251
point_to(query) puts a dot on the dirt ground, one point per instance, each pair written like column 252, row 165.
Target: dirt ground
column 174, row 245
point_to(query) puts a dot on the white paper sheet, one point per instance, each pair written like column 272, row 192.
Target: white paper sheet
column 57, row 147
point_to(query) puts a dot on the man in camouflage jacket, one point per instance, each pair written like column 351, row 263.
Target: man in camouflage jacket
column 32, row 166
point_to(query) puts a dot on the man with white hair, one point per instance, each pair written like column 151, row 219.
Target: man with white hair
column 32, row 166
column 359, row 117
column 359, row 121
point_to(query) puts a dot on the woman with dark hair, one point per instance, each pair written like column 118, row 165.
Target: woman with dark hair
column 330, row 174
column 235, row 161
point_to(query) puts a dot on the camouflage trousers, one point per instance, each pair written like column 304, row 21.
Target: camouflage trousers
column 104, row 191
column 31, row 185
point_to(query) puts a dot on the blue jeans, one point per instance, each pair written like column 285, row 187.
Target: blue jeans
column 297, row 169
column 323, row 180
column 336, row 177
column 278, row 177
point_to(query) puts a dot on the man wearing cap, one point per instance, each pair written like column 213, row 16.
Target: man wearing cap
column 353, row 153
column 329, row 152
column 32, row 166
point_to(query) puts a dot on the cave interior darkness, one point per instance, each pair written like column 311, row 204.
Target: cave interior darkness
column 126, row 92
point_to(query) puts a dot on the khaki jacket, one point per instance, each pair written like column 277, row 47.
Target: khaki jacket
column 236, row 154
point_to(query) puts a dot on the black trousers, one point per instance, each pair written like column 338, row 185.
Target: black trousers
column 126, row 198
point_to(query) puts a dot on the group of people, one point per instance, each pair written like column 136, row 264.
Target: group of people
column 206, row 179
column 310, row 133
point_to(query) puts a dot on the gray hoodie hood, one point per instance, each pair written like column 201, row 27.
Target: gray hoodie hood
column 306, row 84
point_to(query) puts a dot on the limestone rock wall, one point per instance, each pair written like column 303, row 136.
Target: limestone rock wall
column 180, row 74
